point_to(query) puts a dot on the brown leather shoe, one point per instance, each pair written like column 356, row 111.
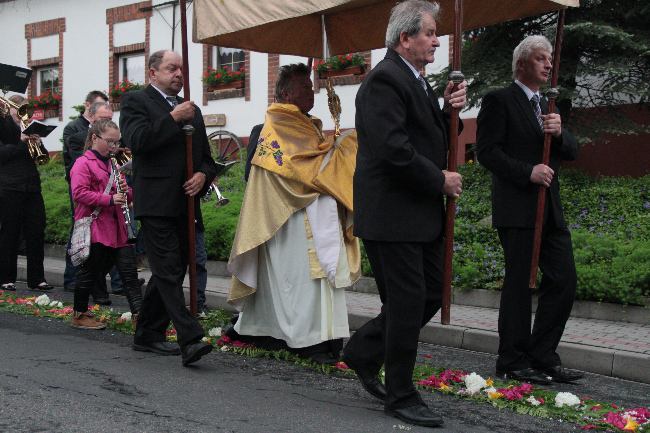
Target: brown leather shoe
column 86, row 320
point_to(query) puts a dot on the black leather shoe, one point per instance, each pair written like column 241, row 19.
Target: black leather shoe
column 194, row 351
column 525, row 375
column 11, row 287
column 369, row 381
column 323, row 358
column 44, row 287
column 560, row 374
column 159, row 347
column 417, row 415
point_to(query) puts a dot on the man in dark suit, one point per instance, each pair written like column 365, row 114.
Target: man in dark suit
column 399, row 184
column 151, row 122
column 510, row 139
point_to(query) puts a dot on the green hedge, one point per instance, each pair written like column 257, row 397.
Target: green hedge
column 609, row 219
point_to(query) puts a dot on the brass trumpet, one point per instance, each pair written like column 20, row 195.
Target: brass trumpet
column 35, row 146
column 221, row 200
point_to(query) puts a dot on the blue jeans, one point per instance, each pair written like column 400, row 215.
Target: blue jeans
column 201, row 270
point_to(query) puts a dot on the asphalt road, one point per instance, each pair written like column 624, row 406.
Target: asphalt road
column 57, row 379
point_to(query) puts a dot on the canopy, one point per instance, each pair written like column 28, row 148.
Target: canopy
column 297, row 26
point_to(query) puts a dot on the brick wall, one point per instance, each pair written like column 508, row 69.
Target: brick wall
column 274, row 66
column 37, row 30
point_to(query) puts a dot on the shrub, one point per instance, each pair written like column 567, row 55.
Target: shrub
column 609, row 218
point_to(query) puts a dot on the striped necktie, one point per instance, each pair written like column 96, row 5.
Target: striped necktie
column 534, row 101
column 422, row 82
column 172, row 100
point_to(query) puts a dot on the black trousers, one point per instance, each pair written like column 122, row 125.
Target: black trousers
column 409, row 279
column 518, row 347
column 100, row 260
column 166, row 244
column 99, row 290
column 22, row 211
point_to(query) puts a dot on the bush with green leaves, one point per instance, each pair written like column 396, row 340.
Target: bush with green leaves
column 609, row 219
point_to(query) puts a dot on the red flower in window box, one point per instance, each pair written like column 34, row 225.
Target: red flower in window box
column 122, row 87
column 224, row 78
column 349, row 64
column 47, row 100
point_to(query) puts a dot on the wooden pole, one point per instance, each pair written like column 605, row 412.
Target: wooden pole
column 189, row 166
column 456, row 76
column 551, row 94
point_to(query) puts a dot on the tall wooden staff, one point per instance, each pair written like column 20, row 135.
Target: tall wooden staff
column 189, row 167
column 551, row 94
column 457, row 77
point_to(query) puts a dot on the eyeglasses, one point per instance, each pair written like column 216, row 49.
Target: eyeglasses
column 116, row 143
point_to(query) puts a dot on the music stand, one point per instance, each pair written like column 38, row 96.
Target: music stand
column 14, row 78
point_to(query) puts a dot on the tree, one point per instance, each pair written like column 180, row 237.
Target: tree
column 605, row 62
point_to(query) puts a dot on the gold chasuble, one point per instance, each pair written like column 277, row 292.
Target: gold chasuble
column 293, row 164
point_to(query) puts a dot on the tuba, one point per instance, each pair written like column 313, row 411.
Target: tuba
column 36, row 149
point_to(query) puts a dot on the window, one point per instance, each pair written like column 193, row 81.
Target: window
column 131, row 67
column 232, row 57
column 48, row 79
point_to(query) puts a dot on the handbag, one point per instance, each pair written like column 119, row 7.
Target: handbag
column 80, row 240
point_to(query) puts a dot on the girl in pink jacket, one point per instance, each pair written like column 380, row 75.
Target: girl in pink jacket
column 109, row 241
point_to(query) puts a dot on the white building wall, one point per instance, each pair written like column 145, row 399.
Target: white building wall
column 45, row 47
column 86, row 61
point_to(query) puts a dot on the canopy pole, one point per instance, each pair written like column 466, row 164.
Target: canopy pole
column 457, row 77
column 189, row 167
column 551, row 95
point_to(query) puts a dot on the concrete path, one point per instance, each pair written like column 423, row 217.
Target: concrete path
column 616, row 349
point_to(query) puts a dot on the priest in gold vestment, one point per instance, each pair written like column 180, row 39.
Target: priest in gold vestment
column 294, row 253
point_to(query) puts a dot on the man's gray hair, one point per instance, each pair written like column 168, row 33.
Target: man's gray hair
column 286, row 75
column 406, row 17
column 156, row 59
column 526, row 48
column 94, row 108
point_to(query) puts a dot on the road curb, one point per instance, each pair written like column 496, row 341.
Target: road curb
column 470, row 297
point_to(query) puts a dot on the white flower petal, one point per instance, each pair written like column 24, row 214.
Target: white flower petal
column 215, row 332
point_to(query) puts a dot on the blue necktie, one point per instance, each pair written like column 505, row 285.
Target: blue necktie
column 172, row 100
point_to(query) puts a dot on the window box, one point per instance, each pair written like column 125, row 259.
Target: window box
column 237, row 84
column 351, row 70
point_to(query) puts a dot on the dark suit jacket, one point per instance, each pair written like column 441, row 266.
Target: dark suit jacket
column 402, row 151
column 509, row 144
column 158, row 146
column 17, row 169
column 74, row 139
